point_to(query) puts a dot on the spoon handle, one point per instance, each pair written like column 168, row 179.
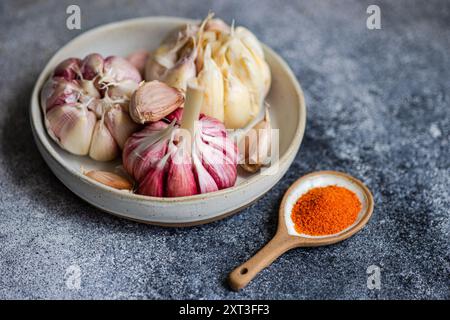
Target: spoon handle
column 243, row 274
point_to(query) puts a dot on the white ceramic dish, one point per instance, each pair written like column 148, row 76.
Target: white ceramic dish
column 288, row 113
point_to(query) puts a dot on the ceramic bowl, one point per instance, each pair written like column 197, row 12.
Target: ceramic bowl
column 288, row 113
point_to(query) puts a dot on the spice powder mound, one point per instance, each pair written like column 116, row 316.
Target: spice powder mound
column 325, row 210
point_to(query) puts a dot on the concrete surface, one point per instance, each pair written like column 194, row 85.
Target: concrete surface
column 378, row 108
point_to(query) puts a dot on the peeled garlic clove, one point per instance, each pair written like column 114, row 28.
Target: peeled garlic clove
column 239, row 108
column 139, row 59
column 110, row 179
column 210, row 78
column 119, row 69
column 59, row 91
column 69, row 69
column 103, row 146
column 180, row 178
column 120, row 125
column 72, row 127
column 92, row 66
column 153, row 101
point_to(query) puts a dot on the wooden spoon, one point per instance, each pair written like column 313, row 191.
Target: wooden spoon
column 287, row 237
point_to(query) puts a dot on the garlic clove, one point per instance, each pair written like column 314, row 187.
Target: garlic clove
column 205, row 182
column 223, row 172
column 153, row 101
column 72, row 127
column 239, row 107
column 212, row 127
column 253, row 71
column 210, row 78
column 153, row 182
column 220, row 165
column 168, row 53
column 254, row 46
column 95, row 105
column 110, row 179
column 120, row 125
column 180, row 178
column 68, row 69
column 103, row 146
column 123, row 90
column 224, row 145
column 89, row 88
column 92, row 66
column 144, row 149
column 256, row 145
column 118, row 69
column 249, row 40
column 144, row 160
column 184, row 70
column 153, row 70
column 139, row 59
column 59, row 91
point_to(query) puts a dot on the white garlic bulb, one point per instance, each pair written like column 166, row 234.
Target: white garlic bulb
column 85, row 104
column 229, row 65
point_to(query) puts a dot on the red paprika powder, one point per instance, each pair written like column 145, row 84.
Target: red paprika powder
column 325, row 210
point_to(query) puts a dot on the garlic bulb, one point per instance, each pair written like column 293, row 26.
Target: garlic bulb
column 229, row 64
column 85, row 104
column 182, row 159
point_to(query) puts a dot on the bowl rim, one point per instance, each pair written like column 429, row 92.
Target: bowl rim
column 35, row 107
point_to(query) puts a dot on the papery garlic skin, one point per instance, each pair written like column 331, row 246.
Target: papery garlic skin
column 85, row 104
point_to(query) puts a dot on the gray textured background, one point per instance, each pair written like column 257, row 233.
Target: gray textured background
column 378, row 104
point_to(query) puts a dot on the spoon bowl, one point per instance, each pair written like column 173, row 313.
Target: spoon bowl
column 287, row 237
